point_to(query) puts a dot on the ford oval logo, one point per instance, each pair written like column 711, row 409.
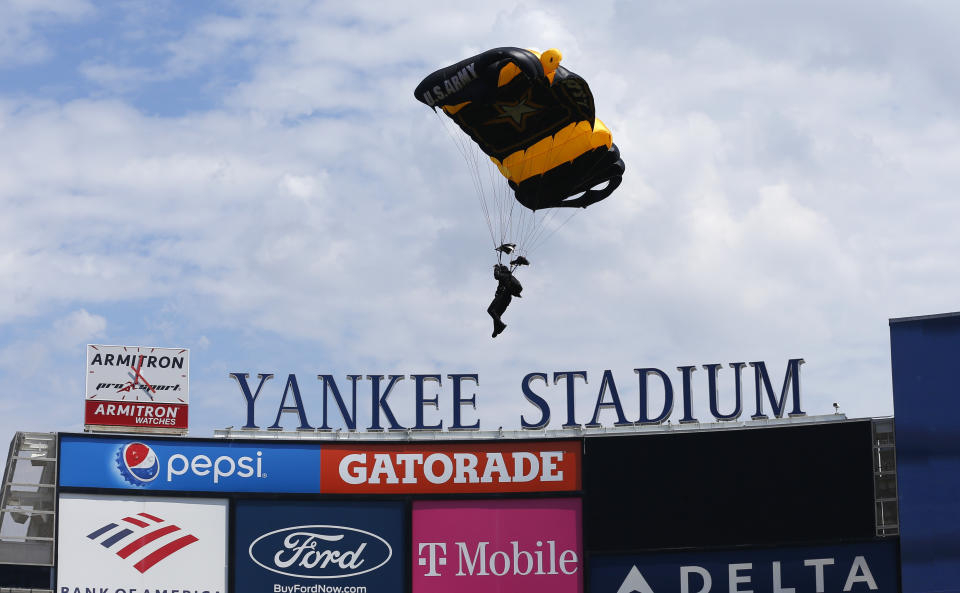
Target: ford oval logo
column 320, row 551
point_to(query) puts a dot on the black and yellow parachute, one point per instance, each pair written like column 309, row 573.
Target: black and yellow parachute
column 535, row 120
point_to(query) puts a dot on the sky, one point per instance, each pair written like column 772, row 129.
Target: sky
column 255, row 181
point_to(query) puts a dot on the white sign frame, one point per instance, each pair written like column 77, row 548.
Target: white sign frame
column 91, row 538
column 137, row 389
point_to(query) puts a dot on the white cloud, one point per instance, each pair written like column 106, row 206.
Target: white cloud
column 781, row 199
column 22, row 40
column 78, row 327
column 116, row 78
column 42, row 397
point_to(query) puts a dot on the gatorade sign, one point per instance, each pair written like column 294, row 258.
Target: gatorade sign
column 523, row 466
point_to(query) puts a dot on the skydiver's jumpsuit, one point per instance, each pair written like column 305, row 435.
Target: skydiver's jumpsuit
column 501, row 300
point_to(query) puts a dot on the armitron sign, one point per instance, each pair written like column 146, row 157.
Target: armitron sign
column 136, row 387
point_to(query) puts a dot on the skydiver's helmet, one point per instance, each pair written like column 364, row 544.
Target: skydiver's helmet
column 500, row 269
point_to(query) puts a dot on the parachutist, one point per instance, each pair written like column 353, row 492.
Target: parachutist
column 507, row 288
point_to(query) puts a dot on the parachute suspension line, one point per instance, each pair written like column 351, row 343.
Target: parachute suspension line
column 486, row 189
column 493, row 193
column 530, row 220
column 470, row 158
column 508, row 202
column 505, row 203
column 501, row 197
column 532, row 225
column 539, row 235
column 528, row 229
column 542, row 238
column 474, row 157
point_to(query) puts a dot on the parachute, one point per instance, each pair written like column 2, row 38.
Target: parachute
column 535, row 121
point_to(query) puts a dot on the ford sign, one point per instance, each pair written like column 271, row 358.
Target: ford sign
column 320, row 551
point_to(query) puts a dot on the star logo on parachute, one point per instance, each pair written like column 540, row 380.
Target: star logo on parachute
column 516, row 112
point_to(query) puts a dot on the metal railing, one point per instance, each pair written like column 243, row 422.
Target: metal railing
column 28, row 500
column 887, row 518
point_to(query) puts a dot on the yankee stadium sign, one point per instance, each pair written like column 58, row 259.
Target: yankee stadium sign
column 327, row 399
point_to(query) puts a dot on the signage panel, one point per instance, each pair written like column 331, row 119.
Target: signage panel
column 924, row 352
column 497, row 546
column 519, row 466
column 137, row 388
column 119, row 544
column 186, row 465
column 868, row 566
column 320, row 546
column 676, row 490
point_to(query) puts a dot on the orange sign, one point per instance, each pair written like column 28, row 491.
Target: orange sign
column 447, row 468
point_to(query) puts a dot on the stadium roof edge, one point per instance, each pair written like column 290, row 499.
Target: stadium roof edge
column 923, row 317
column 434, row 435
column 487, row 435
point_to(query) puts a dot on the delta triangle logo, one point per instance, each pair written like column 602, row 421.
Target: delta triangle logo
column 635, row 583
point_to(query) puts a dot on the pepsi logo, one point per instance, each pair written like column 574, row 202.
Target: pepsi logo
column 138, row 464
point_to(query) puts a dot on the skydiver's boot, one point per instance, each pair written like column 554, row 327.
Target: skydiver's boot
column 498, row 327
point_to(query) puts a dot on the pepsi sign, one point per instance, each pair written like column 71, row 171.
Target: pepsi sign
column 306, row 546
column 181, row 465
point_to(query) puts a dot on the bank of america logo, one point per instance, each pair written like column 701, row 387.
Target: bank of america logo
column 144, row 539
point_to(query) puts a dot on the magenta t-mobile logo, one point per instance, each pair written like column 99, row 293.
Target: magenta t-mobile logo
column 142, row 536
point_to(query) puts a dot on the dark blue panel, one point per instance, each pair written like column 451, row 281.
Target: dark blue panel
column 27, row 577
column 925, row 354
column 705, row 489
column 188, row 465
column 282, row 544
column 860, row 567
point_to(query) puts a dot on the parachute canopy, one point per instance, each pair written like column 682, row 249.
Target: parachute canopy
column 535, row 120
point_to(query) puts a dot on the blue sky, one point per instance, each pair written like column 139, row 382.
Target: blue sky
column 255, row 182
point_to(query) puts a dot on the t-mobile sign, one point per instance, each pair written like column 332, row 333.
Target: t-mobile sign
column 499, row 546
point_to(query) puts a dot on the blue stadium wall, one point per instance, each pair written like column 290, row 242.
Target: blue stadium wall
column 925, row 353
